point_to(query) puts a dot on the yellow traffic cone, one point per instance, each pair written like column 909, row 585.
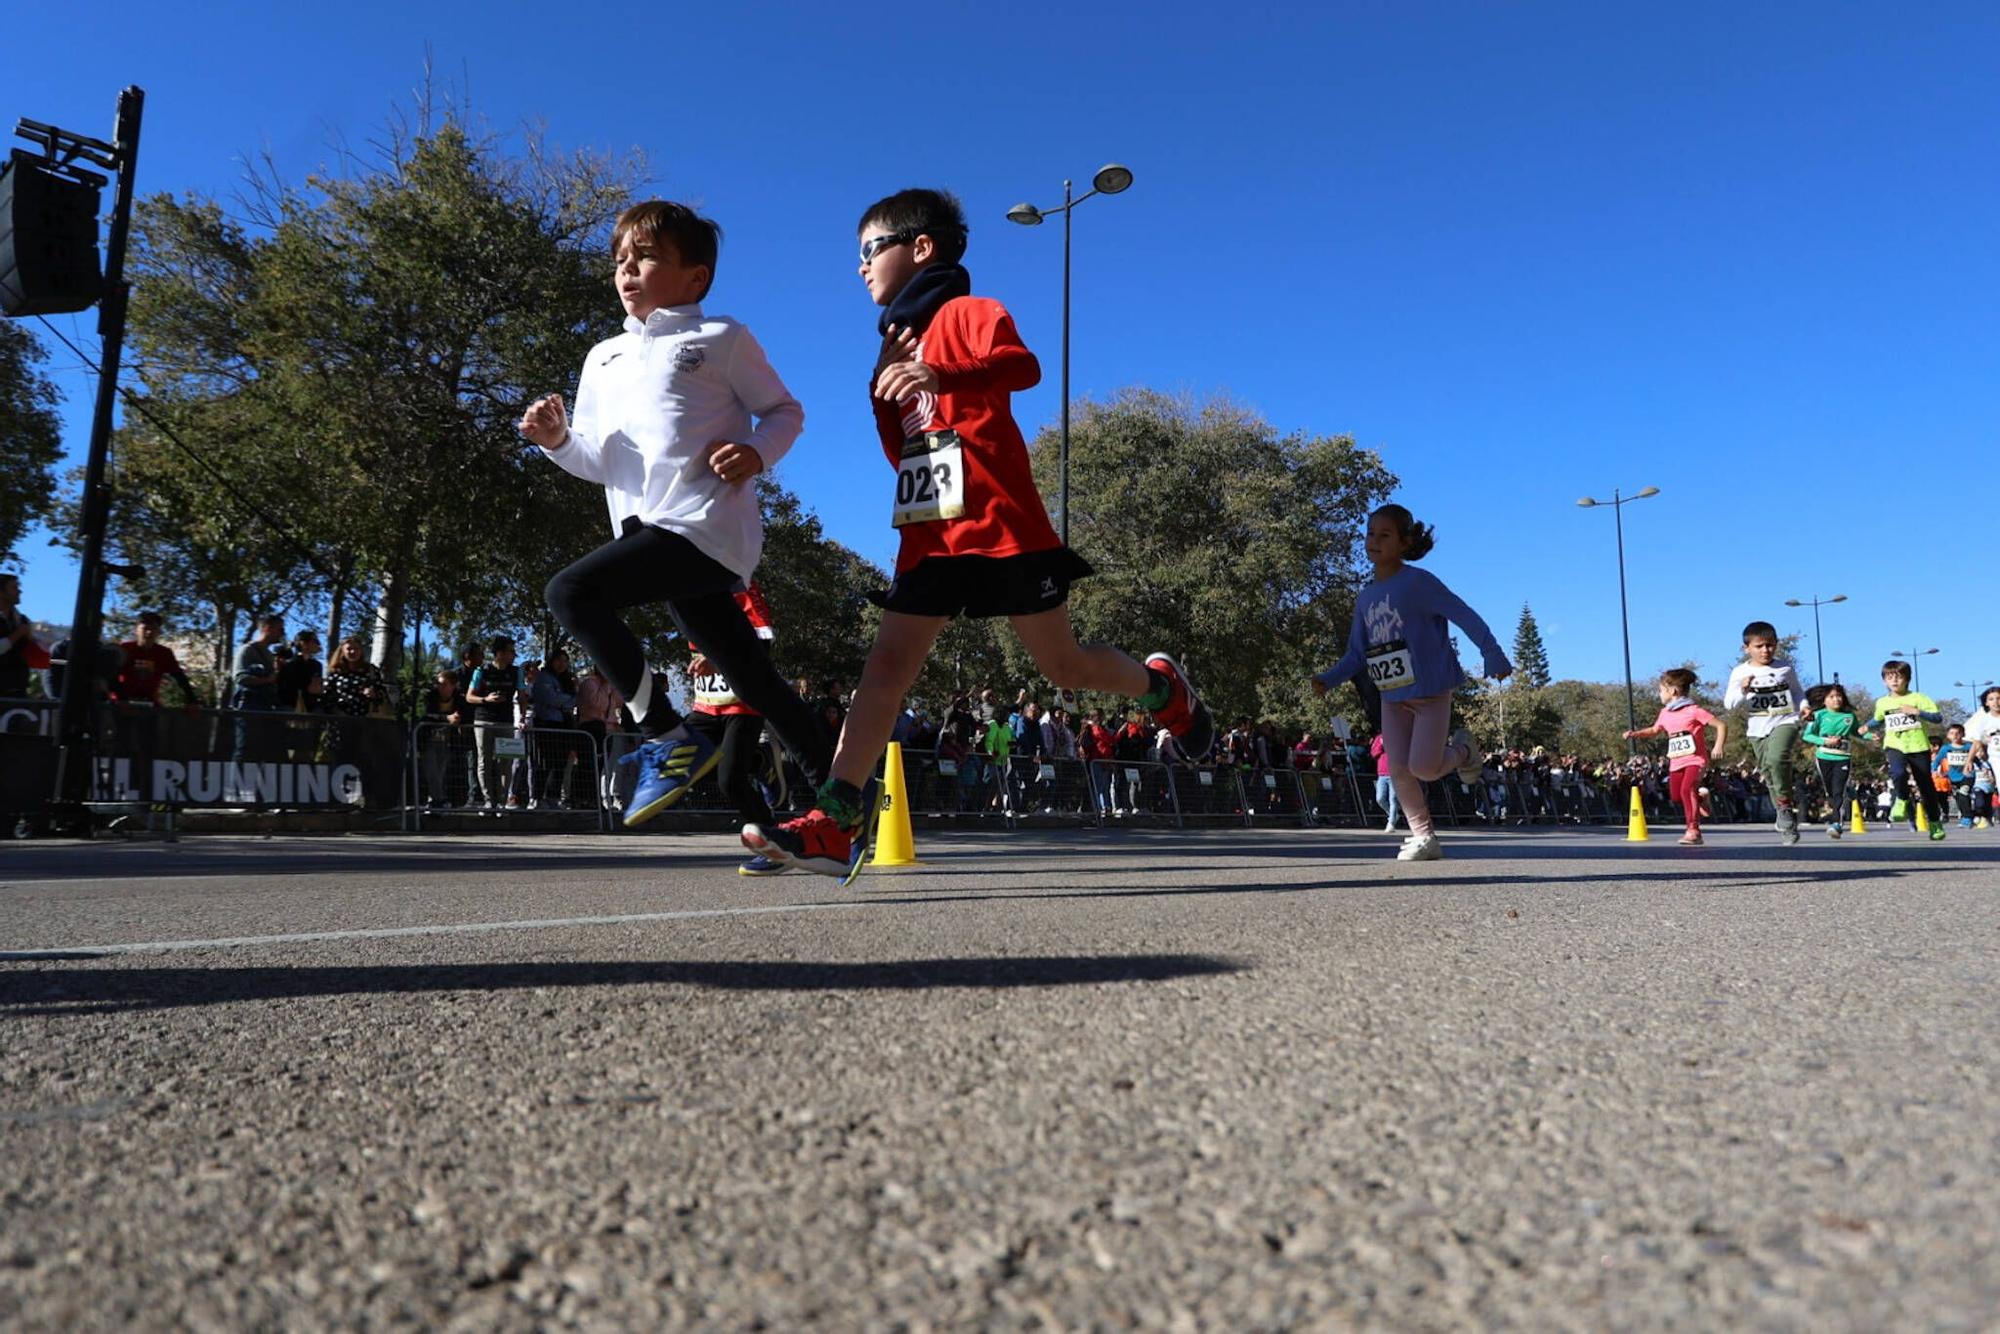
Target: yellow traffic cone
column 1923, row 819
column 894, row 844
column 1857, row 825
column 1635, row 827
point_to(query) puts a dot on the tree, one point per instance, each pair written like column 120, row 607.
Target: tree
column 30, row 437
column 1531, row 660
column 351, row 354
column 1218, row 538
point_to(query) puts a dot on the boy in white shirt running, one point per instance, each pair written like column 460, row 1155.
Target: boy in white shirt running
column 1769, row 691
column 664, row 423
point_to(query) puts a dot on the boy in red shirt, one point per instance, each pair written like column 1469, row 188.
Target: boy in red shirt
column 976, row 540
column 1685, row 725
column 737, row 730
column 144, row 662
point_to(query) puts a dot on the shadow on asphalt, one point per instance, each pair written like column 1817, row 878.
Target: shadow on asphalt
column 95, row 990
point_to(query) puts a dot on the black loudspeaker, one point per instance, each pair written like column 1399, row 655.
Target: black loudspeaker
column 48, row 240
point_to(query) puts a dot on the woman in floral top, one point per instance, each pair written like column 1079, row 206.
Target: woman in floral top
column 353, row 685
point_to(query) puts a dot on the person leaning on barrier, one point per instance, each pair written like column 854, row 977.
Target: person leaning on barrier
column 253, row 675
column 445, row 710
column 301, row 678
column 491, row 693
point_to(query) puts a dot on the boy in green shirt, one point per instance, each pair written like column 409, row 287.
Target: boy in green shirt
column 1899, row 720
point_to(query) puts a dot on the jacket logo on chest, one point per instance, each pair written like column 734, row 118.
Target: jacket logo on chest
column 689, row 357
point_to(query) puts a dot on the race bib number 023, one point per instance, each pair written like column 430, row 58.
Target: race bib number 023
column 1680, row 745
column 1390, row 667
column 930, row 481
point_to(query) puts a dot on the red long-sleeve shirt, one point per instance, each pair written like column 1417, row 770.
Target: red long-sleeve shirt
column 979, row 360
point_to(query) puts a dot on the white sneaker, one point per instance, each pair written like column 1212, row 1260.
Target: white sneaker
column 1468, row 772
column 1421, row 850
column 1389, row 828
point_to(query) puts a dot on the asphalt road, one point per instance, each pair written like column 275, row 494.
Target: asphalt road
column 1232, row 1081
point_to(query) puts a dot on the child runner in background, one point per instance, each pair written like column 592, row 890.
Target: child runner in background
column 664, row 423
column 1954, row 764
column 1899, row 720
column 1385, row 787
column 1401, row 641
column 1767, row 688
column 737, row 730
column 1984, row 734
column 1831, row 731
column 1685, row 725
column 975, row 538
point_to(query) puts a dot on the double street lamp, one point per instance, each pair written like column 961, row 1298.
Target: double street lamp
column 1816, row 602
column 1111, row 179
column 1978, row 689
column 1916, row 676
column 1618, row 502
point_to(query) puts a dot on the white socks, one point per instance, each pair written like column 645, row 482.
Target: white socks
column 642, row 698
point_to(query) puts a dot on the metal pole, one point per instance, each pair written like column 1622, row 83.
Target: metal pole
column 76, row 721
column 1624, row 622
column 1819, row 648
column 1064, row 486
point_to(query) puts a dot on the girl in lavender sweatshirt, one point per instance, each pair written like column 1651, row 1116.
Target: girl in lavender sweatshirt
column 1401, row 640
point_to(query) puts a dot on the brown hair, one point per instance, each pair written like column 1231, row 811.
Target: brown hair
column 1418, row 538
column 695, row 239
column 913, row 213
column 1680, row 678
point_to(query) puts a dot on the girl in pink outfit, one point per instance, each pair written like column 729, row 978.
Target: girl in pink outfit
column 1385, row 788
column 1685, row 725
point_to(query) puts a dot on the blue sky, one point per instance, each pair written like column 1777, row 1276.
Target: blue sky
column 1529, row 252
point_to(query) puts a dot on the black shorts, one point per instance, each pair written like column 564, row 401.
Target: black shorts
column 985, row 585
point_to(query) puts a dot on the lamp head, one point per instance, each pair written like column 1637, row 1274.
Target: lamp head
column 1025, row 214
column 1586, row 502
column 1793, row 602
column 1111, row 179
column 1838, row 597
column 1648, row 491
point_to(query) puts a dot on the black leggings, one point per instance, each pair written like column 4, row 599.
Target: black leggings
column 1833, row 777
column 1918, row 769
column 652, row 565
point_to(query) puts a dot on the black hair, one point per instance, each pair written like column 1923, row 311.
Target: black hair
column 695, row 239
column 1818, row 695
column 1899, row 666
column 913, row 213
column 1760, row 629
column 498, row 642
column 1418, row 538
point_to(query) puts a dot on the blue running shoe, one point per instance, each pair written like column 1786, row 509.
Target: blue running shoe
column 668, row 766
column 761, row 865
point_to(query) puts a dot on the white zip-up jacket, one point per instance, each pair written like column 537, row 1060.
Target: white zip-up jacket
column 648, row 406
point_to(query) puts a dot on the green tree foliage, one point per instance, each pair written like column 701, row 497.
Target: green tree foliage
column 1531, row 660
column 1217, row 538
column 30, row 437
column 351, row 355
column 818, row 591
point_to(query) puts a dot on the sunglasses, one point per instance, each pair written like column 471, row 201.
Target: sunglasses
column 876, row 245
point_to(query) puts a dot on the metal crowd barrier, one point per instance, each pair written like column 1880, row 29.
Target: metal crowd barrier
column 459, row 769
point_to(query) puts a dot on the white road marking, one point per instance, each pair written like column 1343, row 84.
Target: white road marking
column 391, row 932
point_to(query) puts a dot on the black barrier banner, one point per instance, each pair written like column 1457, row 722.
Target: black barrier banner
column 211, row 758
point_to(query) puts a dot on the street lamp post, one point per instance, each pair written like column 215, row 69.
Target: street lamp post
column 1978, row 689
column 1816, row 602
column 1916, row 675
column 1618, row 502
column 1111, row 179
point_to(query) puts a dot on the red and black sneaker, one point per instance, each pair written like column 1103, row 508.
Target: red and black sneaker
column 814, row 842
column 1183, row 714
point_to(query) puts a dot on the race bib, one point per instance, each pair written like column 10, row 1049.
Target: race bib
column 1956, row 761
column 1680, row 745
column 1771, row 702
column 712, row 689
column 1901, row 722
column 1390, row 666
column 949, row 768
column 1833, row 743
column 930, row 481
